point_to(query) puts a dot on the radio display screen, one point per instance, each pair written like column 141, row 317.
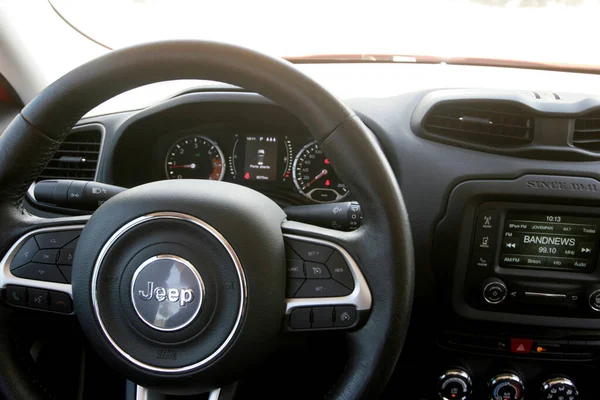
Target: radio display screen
column 546, row 241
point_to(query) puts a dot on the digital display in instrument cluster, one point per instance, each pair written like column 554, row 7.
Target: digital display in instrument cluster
column 261, row 158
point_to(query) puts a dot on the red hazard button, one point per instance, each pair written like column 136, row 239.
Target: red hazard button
column 522, row 346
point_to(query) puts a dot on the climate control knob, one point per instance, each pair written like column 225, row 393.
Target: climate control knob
column 506, row 387
column 559, row 387
column 454, row 384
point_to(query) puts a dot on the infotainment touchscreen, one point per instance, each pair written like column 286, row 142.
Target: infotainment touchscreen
column 533, row 240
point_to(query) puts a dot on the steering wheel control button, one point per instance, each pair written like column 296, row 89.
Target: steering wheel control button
column 46, row 256
column 290, row 254
column 66, row 255
column 25, row 254
column 16, row 295
column 56, row 240
column 322, row 288
column 300, row 318
column 310, row 251
column 316, row 271
column 40, row 272
column 38, row 298
column 61, row 302
column 345, row 316
column 292, row 286
column 322, row 317
column 67, row 271
column 167, row 292
column 295, row 269
column 340, row 271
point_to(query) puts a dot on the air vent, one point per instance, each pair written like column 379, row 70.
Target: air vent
column 587, row 132
column 77, row 157
column 491, row 123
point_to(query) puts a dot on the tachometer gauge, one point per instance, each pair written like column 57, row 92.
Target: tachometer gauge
column 195, row 157
column 314, row 177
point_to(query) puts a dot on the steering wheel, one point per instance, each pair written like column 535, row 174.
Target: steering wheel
column 181, row 285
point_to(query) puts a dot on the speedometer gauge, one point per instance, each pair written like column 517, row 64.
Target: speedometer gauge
column 314, row 177
column 195, row 157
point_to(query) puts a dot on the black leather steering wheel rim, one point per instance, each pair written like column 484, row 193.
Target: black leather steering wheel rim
column 382, row 246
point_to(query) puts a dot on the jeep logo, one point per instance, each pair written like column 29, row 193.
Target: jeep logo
column 167, row 292
column 182, row 296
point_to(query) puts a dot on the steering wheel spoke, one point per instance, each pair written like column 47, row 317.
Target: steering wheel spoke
column 325, row 288
column 35, row 272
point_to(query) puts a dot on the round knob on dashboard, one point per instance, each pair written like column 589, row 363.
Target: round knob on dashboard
column 594, row 300
column 494, row 290
column 559, row 387
column 506, row 387
column 454, row 384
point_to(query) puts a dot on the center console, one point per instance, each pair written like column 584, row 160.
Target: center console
column 517, row 266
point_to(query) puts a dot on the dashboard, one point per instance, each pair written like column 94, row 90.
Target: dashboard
column 502, row 191
column 254, row 145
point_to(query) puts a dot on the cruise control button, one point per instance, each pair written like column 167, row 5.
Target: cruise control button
column 46, row 256
column 344, row 316
column 38, row 298
column 322, row 288
column 66, row 255
column 340, row 271
column 295, row 269
column 316, row 271
column 322, row 317
column 16, row 295
column 55, row 240
column 291, row 254
column 310, row 251
column 300, row 318
column 66, row 271
column 292, row 287
column 25, row 254
column 40, row 272
column 60, row 302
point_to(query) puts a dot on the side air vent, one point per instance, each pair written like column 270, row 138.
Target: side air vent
column 587, row 132
column 77, row 157
column 483, row 122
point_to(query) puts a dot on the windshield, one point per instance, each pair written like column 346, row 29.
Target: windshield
column 561, row 33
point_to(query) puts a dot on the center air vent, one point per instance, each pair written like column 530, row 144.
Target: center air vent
column 483, row 122
column 587, row 132
column 77, row 157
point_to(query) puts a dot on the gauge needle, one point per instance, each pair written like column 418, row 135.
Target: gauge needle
column 183, row 166
column 322, row 174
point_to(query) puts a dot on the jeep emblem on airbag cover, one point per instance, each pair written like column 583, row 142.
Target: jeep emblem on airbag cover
column 167, row 292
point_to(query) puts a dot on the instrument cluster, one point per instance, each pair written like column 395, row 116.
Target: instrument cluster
column 263, row 160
